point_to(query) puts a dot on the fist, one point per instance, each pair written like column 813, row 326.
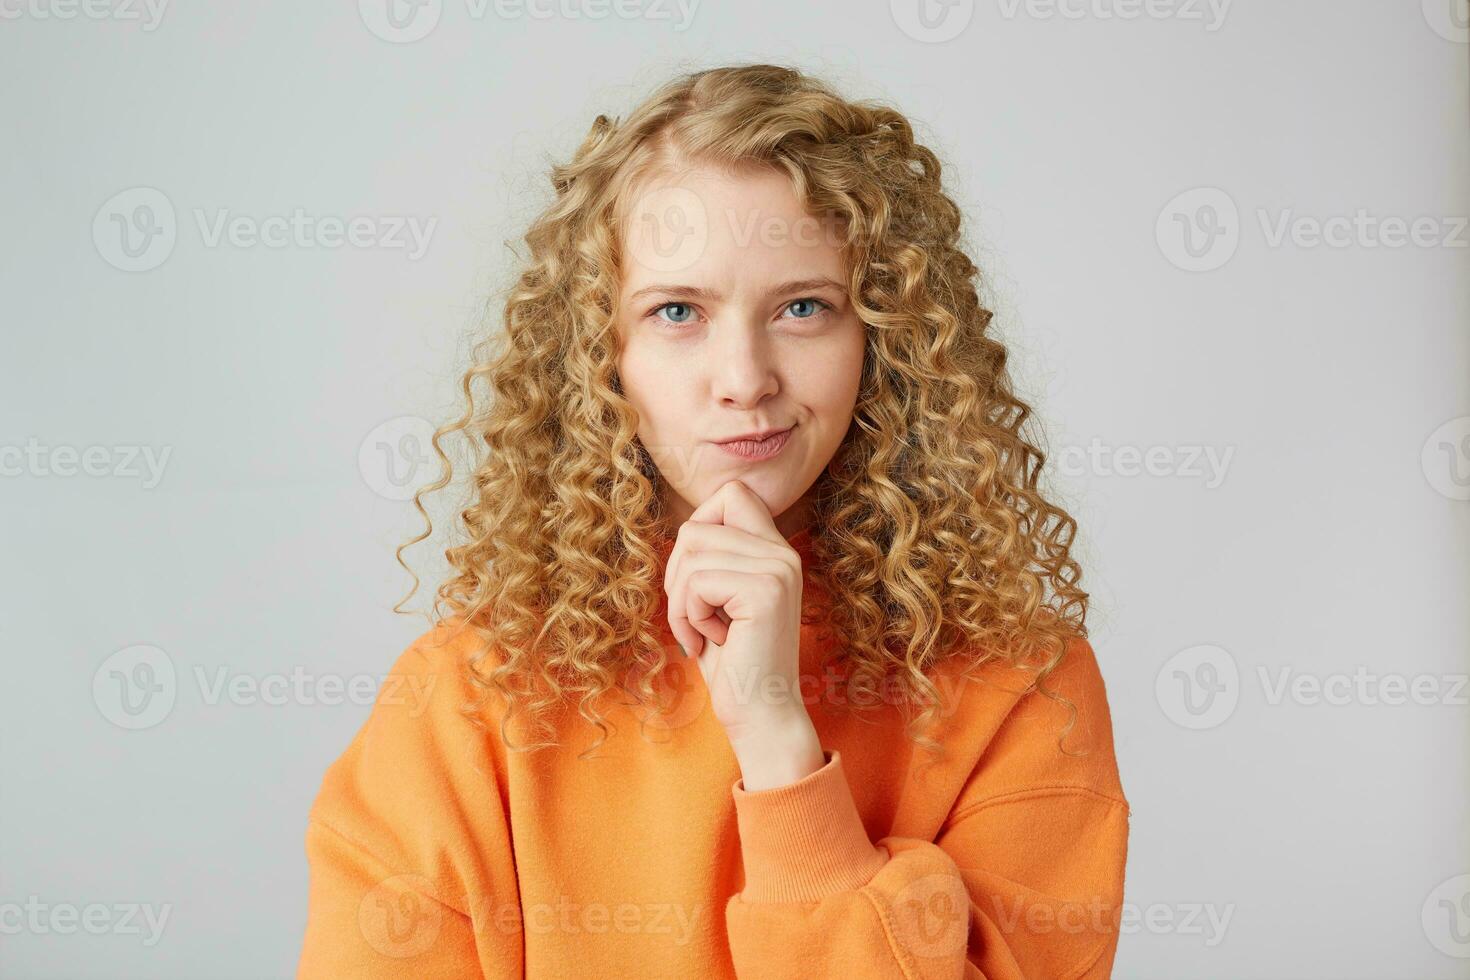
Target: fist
column 734, row 589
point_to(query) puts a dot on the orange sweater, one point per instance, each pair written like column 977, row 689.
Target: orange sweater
column 435, row 852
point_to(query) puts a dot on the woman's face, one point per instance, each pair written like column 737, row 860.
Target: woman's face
column 734, row 319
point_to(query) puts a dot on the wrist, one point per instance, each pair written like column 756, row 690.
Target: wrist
column 777, row 752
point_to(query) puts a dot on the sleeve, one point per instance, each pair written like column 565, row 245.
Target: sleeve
column 1024, row 879
column 408, row 846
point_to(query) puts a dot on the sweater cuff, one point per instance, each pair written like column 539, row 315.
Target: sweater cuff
column 805, row 840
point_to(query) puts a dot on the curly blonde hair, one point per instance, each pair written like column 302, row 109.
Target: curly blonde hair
column 931, row 537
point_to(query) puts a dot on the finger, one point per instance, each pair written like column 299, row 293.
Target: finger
column 710, row 589
column 683, row 612
column 696, row 536
column 690, row 640
column 736, row 505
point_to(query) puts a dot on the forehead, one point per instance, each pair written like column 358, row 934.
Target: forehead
column 713, row 228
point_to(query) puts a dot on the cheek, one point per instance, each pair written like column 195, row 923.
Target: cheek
column 633, row 372
column 835, row 382
column 653, row 389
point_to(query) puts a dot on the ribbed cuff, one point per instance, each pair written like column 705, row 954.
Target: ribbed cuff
column 805, row 840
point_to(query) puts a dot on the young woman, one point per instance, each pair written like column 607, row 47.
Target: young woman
column 764, row 656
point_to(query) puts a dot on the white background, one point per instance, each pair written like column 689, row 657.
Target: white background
column 1272, row 836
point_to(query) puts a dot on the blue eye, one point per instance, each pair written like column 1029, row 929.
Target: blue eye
column 818, row 307
column 678, row 314
column 681, row 306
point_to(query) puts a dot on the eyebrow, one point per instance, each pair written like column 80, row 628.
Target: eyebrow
column 699, row 292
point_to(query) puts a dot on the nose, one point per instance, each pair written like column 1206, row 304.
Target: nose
column 742, row 365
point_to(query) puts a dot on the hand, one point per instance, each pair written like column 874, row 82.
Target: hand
column 735, row 589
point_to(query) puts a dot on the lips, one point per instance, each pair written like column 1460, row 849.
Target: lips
column 760, row 436
column 757, row 449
